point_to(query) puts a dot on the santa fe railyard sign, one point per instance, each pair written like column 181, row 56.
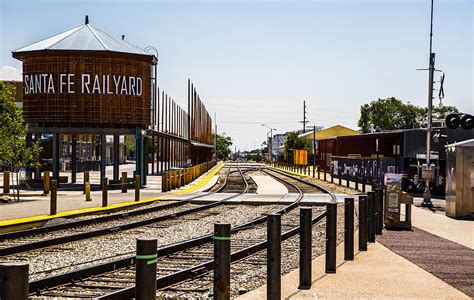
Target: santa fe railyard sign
column 66, row 83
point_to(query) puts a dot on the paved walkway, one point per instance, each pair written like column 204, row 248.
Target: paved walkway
column 413, row 264
column 375, row 274
column 267, row 185
column 458, row 231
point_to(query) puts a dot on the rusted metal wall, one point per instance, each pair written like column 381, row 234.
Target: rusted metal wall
column 69, row 93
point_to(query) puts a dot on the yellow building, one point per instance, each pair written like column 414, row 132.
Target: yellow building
column 333, row 131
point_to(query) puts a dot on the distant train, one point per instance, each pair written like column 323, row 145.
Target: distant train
column 369, row 156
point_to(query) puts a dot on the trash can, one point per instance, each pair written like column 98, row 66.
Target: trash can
column 397, row 206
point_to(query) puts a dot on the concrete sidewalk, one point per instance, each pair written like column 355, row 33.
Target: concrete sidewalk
column 374, row 274
column 379, row 273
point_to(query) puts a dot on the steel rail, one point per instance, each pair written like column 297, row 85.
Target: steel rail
column 168, row 280
column 193, row 271
column 94, row 233
column 56, row 280
column 100, row 219
column 326, row 191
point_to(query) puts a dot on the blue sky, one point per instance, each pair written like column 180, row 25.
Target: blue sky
column 255, row 62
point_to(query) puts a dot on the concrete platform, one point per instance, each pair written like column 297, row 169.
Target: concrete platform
column 458, row 231
column 267, row 185
column 72, row 203
column 375, row 274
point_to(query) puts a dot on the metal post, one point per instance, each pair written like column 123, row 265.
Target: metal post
column 378, row 210
column 88, row 191
column 103, row 155
column 349, row 229
column 145, row 278
column 363, row 180
column 53, row 206
column 6, row 182
column 331, row 222
column 305, row 247
column 86, row 179
column 427, row 194
column 331, row 170
column 314, row 149
column 371, row 217
column 73, row 159
column 105, row 186
column 124, row 182
column 363, row 223
column 14, row 280
column 55, row 151
column 137, row 187
column 221, row 288
column 274, row 256
column 116, row 158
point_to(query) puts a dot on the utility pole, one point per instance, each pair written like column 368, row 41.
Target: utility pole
column 427, row 170
column 304, row 116
column 314, row 148
column 215, row 135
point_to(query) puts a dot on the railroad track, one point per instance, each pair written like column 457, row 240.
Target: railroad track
column 31, row 239
column 55, row 259
column 289, row 181
column 178, row 262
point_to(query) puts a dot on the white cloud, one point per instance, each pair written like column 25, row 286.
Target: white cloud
column 10, row 73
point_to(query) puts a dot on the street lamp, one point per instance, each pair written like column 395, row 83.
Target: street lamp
column 270, row 146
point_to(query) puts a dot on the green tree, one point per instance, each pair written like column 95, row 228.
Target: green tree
column 14, row 151
column 223, row 145
column 391, row 114
column 294, row 142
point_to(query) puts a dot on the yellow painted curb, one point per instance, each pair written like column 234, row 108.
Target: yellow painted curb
column 82, row 211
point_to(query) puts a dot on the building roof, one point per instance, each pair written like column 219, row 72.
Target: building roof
column 84, row 38
column 333, row 131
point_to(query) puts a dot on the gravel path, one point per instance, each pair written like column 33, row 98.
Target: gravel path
column 91, row 227
column 80, row 254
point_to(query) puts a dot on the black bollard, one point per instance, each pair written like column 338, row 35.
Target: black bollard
column 371, row 217
column 349, row 229
column 137, row 187
column 274, row 256
column 53, row 205
column 14, row 281
column 331, row 222
column 145, row 278
column 363, row 180
column 363, row 223
column 221, row 261
column 379, row 210
column 105, row 188
column 305, row 247
column 124, row 182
